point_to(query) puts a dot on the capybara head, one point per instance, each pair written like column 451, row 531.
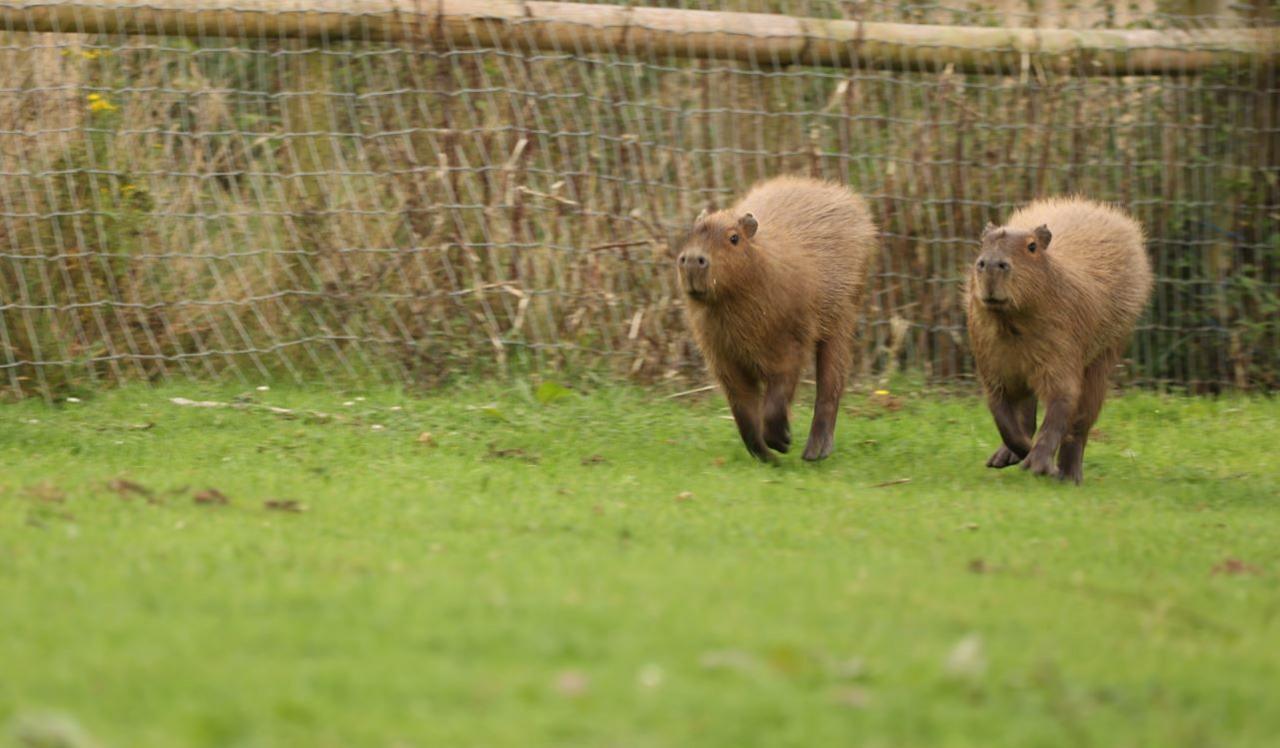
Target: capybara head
column 715, row 255
column 1011, row 272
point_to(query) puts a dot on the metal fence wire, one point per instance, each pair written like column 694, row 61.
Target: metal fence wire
column 224, row 202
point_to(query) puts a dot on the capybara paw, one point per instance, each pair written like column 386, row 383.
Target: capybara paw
column 818, row 449
column 1040, row 464
column 762, row 453
column 1003, row 457
column 778, row 438
column 1074, row 475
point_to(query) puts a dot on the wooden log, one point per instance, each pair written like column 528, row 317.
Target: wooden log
column 762, row 39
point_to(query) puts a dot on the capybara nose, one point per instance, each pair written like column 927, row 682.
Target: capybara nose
column 693, row 260
column 985, row 264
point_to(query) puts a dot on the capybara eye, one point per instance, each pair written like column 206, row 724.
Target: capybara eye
column 733, row 238
column 1031, row 247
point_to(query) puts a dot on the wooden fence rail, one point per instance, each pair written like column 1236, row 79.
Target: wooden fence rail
column 765, row 40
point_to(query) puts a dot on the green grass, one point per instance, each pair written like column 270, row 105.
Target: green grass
column 494, row 590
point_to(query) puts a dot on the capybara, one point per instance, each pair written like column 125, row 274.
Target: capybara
column 1052, row 301
column 775, row 279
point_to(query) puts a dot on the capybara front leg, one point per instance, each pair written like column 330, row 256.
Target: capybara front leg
column 780, row 388
column 1061, row 406
column 743, row 392
column 832, row 369
column 1011, row 417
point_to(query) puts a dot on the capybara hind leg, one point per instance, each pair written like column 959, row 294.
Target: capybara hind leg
column 1092, row 393
column 832, row 369
column 1011, row 417
column 780, row 388
column 1061, row 407
column 1071, row 459
column 743, row 392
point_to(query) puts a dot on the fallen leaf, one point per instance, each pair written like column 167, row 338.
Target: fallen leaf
column 852, row 697
column 650, row 676
column 46, row 492
column 718, row 461
column 128, row 489
column 729, row 659
column 211, row 496
column 284, row 505
column 971, row 526
column 515, row 453
column 427, row 439
column 1235, row 567
column 594, row 460
column 888, row 483
column 684, row 496
column 889, row 402
column 850, row 669
column 49, row 730
column 967, row 659
column 571, row 683
column 977, row 566
column 141, row 426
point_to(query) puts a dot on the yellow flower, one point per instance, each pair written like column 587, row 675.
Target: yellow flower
column 94, row 97
column 101, row 105
column 882, row 392
column 89, row 54
column 128, row 188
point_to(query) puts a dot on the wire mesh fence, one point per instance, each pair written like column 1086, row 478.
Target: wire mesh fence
column 231, row 203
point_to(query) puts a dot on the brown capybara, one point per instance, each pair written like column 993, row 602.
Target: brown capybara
column 775, row 279
column 1052, row 301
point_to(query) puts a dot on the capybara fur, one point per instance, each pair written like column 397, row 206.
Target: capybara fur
column 1052, row 300
column 774, row 280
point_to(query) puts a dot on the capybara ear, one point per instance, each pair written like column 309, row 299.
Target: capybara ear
column 1043, row 235
column 702, row 216
column 987, row 231
column 748, row 224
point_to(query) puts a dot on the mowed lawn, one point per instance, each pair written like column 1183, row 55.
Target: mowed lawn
column 605, row 567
